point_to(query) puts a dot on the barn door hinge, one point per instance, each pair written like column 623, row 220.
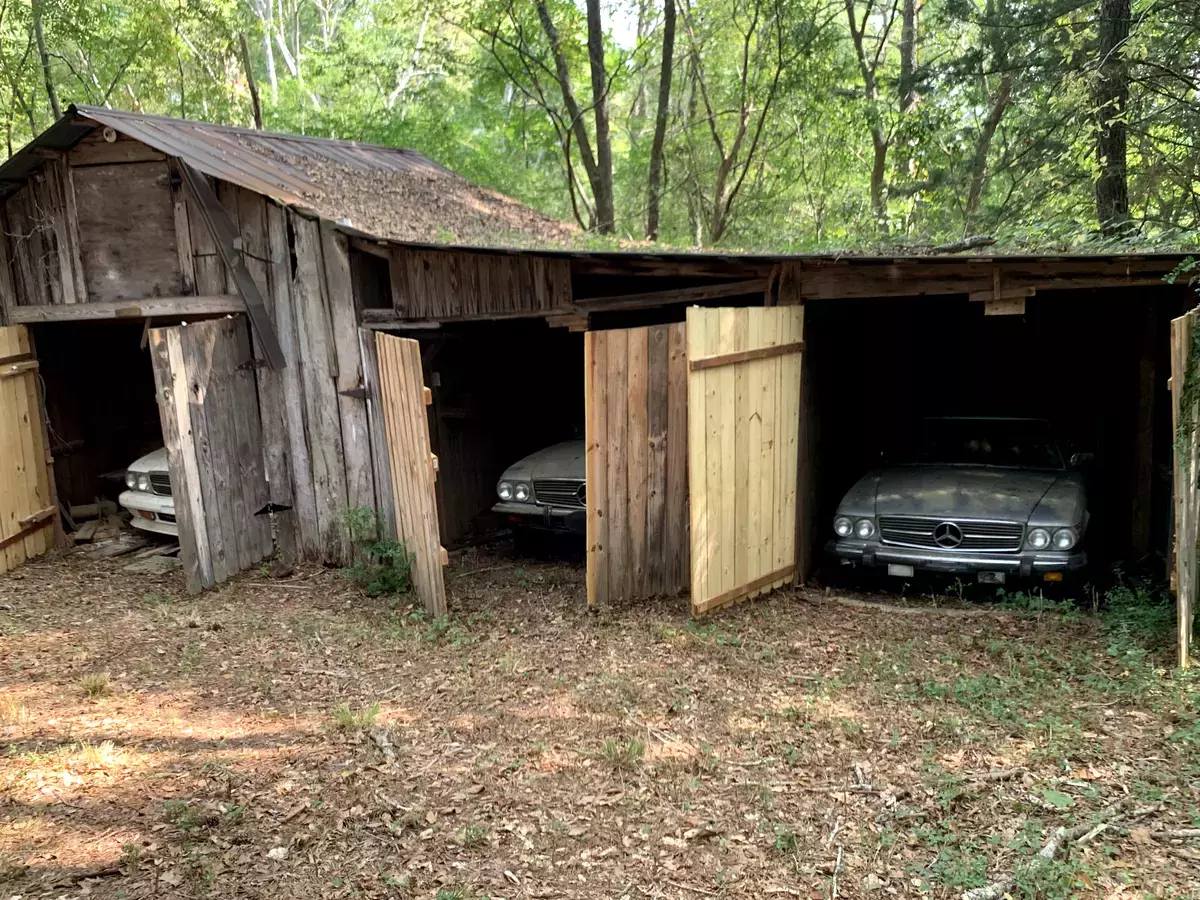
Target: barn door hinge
column 252, row 364
column 358, row 393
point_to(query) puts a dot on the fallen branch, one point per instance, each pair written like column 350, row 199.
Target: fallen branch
column 1059, row 839
column 999, row 774
column 967, row 243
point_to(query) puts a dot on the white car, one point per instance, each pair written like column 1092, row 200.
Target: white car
column 149, row 496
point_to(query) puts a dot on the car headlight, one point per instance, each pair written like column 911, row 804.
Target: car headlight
column 143, row 481
column 522, row 491
column 1065, row 538
column 505, row 490
column 843, row 526
column 1038, row 539
column 864, row 528
column 131, row 480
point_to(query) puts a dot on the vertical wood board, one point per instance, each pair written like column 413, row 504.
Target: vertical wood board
column 1187, row 487
column 743, row 452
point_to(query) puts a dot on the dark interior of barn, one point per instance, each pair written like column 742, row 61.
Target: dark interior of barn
column 99, row 394
column 501, row 390
column 1081, row 360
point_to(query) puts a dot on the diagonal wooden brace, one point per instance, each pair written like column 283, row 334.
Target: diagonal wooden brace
column 224, row 235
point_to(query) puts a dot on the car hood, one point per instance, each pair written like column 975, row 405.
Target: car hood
column 151, row 462
column 965, row 492
column 565, row 460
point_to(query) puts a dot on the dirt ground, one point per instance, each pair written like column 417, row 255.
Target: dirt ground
column 296, row 739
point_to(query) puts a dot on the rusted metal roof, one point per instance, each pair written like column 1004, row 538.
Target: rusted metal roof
column 386, row 192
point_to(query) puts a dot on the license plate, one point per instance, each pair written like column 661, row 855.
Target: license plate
column 901, row 571
column 991, row 578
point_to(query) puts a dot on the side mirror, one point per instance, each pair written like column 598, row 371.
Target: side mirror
column 1080, row 459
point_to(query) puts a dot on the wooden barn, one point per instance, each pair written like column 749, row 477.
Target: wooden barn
column 313, row 326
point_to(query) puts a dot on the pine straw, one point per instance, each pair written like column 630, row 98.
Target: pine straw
column 540, row 751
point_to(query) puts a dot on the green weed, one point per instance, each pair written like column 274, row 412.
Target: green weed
column 624, row 755
column 95, row 685
column 472, row 835
column 345, row 718
column 183, row 815
column 381, row 567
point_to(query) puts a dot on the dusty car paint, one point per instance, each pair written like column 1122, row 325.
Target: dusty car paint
column 564, row 463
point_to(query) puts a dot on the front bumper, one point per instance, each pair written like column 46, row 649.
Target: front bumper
column 549, row 518
column 870, row 554
column 151, row 512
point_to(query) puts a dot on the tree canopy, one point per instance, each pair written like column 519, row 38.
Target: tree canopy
column 771, row 124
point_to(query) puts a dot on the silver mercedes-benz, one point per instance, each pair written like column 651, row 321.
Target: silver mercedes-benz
column 546, row 489
column 987, row 497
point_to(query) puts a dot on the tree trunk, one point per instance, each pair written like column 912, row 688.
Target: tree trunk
column 40, row 35
column 255, row 103
column 907, row 83
column 565, row 86
column 604, row 182
column 983, row 146
column 879, row 212
column 1112, row 94
column 654, row 182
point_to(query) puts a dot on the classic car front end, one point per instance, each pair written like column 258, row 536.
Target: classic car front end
column 546, row 490
column 148, row 497
column 993, row 501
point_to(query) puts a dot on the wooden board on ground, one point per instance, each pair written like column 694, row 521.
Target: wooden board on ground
column 402, row 405
column 636, row 432
column 744, row 406
column 1186, row 483
column 211, row 427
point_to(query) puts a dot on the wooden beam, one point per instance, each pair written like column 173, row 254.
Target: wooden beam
column 728, row 359
column 1007, row 294
column 226, row 238
column 750, row 287
column 214, row 305
column 30, row 365
column 738, row 592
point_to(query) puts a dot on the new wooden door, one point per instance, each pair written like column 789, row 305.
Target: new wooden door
column 208, row 404
column 402, row 398
column 635, row 388
column 744, row 424
column 1186, row 482
column 27, row 508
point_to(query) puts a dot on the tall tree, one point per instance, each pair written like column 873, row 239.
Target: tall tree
column 661, row 116
column 603, row 186
column 39, row 31
column 1112, row 98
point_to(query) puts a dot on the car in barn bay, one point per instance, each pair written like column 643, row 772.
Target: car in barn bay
column 991, row 498
column 546, row 491
column 148, row 494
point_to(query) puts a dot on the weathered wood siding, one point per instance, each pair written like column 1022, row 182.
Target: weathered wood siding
column 208, row 404
column 636, row 439
column 439, row 284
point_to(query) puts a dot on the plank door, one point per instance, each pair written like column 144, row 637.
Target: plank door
column 28, row 511
column 744, row 368
column 1186, row 485
column 208, row 404
column 402, row 398
column 635, row 387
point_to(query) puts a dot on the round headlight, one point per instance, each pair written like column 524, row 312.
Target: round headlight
column 864, row 528
column 143, row 481
column 131, row 480
column 1038, row 538
column 522, row 491
column 504, row 489
column 843, row 526
column 1064, row 539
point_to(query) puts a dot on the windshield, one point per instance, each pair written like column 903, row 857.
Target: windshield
column 1025, row 443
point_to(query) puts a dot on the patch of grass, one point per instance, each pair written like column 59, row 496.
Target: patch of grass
column 346, row 718
column 623, row 755
column 473, row 835
column 131, row 858
column 714, row 633
column 183, row 815
column 157, row 599
column 98, row 756
column 190, row 658
column 450, row 894
column 95, row 684
column 13, row 711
